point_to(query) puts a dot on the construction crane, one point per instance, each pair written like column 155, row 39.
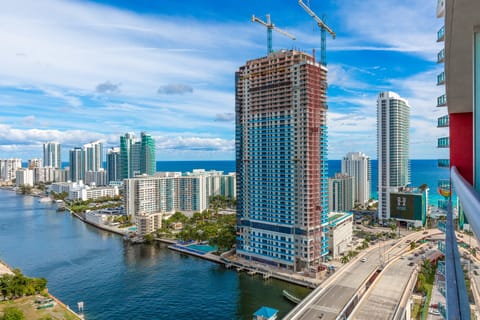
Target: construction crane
column 270, row 26
column 323, row 32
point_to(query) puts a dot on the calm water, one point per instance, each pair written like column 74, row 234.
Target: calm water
column 119, row 281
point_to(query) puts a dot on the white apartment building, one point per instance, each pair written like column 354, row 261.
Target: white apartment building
column 52, row 155
column 34, row 163
column 357, row 165
column 168, row 192
column 148, row 222
column 59, row 187
column 8, row 168
column 80, row 191
column 97, row 178
column 393, row 123
column 24, row 177
column 340, row 233
column 92, row 193
column 49, row 174
column 341, row 190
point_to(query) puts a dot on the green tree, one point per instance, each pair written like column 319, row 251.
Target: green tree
column 13, row 313
column 344, row 259
column 25, row 189
column 148, row 238
column 412, row 245
column 225, row 239
column 178, row 217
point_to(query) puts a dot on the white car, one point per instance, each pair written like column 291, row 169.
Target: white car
column 363, row 259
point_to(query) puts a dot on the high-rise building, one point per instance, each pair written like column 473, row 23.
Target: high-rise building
column 93, row 153
column 113, row 165
column 34, row 163
column 281, row 146
column 77, row 166
column 341, row 193
column 52, row 155
column 168, row 192
column 24, row 177
column 137, row 156
column 97, row 178
column 8, row 168
column 357, row 164
column 147, row 154
column 393, row 123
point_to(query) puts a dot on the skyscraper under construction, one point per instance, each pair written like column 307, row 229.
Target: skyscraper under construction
column 281, row 158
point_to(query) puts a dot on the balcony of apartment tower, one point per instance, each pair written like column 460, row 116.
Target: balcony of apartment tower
column 461, row 57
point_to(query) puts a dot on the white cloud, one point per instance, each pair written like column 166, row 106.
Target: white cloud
column 404, row 26
column 69, row 49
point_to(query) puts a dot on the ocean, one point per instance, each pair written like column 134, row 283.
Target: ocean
column 422, row 171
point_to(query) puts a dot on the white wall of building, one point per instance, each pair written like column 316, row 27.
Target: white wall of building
column 24, row 177
column 340, row 234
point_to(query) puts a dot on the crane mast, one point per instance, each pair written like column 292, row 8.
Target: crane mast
column 323, row 32
column 270, row 26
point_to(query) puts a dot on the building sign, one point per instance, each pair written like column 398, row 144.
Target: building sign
column 408, row 206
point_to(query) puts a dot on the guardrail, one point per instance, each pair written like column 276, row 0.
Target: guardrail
column 458, row 306
column 469, row 198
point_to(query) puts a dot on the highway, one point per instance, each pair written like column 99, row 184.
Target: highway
column 339, row 294
column 384, row 298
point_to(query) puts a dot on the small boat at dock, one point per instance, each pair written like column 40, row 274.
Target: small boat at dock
column 291, row 297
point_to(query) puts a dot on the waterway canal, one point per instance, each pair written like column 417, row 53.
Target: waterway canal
column 121, row 281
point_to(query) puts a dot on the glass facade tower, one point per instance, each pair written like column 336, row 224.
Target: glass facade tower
column 393, row 123
column 281, row 161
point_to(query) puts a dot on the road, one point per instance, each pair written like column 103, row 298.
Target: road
column 328, row 301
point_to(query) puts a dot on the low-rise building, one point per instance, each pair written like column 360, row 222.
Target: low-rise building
column 80, row 191
column 148, row 222
column 340, row 232
column 96, row 217
column 92, row 193
column 60, row 187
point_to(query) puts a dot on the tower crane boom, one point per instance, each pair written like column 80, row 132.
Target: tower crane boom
column 270, row 26
column 323, row 29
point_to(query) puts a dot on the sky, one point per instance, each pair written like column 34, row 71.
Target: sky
column 79, row 71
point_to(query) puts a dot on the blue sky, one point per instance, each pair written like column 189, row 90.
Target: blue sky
column 78, row 71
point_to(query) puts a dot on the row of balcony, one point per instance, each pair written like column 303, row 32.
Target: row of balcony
column 441, row 56
column 441, row 34
column 443, row 122
column 443, row 142
column 441, row 78
column 442, row 100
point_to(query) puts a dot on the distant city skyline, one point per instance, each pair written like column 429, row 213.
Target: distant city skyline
column 168, row 68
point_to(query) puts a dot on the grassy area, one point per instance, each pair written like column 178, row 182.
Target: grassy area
column 29, row 308
column 417, row 307
column 425, row 280
column 429, row 288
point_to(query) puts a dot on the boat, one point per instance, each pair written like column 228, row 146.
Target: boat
column 291, row 297
column 60, row 205
column 45, row 199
